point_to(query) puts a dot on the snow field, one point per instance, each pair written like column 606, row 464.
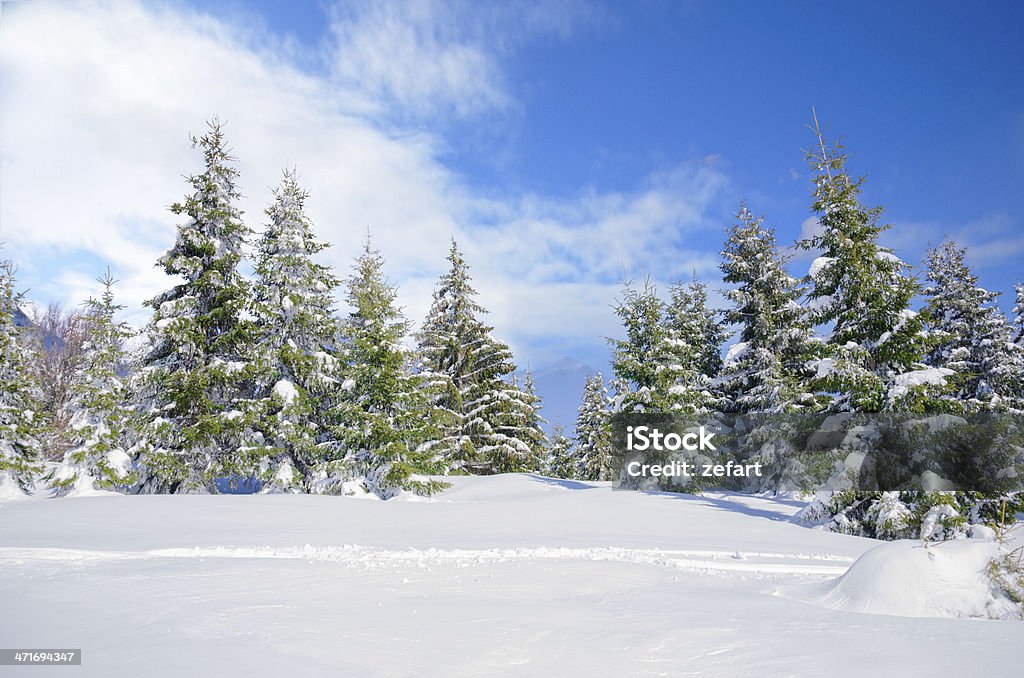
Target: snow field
column 507, row 575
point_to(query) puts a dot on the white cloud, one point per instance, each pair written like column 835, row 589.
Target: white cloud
column 989, row 240
column 438, row 58
column 418, row 56
column 99, row 99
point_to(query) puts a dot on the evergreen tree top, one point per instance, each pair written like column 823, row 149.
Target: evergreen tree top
column 293, row 294
column 210, row 243
column 856, row 284
column 290, row 230
column 453, row 320
column 1018, row 313
column 455, row 294
column 369, row 292
column 637, row 357
column 955, row 287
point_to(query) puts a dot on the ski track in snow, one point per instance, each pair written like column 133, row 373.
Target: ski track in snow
column 725, row 562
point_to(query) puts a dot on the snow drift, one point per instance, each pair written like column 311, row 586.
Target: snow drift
column 905, row 578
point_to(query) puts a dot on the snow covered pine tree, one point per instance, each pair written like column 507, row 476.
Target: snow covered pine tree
column 877, row 344
column 693, row 340
column 671, row 351
column 100, row 417
column 296, row 341
column 482, row 428
column 193, row 383
column 640, row 360
column 875, row 352
column 593, row 432
column 20, row 426
column 383, row 418
column 974, row 338
column 765, row 371
column 561, row 461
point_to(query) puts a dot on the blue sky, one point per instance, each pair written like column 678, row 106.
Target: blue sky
column 565, row 144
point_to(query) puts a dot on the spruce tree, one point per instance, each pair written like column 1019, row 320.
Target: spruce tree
column 465, row 371
column 693, row 339
column 383, row 418
column 561, row 459
column 296, row 343
column 876, row 347
column 20, row 425
column 593, row 432
column 1018, row 314
column 863, row 291
column 643, row 360
column 973, row 337
column 671, row 351
column 193, row 383
column 515, row 412
column 765, row 370
column 99, row 415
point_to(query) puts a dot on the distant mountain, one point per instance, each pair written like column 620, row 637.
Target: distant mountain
column 560, row 387
column 20, row 319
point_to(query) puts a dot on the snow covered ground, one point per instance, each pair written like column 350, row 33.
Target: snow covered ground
column 504, row 575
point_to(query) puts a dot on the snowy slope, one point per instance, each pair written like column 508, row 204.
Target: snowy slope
column 504, row 575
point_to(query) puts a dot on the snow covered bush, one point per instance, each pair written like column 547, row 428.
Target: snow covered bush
column 928, row 516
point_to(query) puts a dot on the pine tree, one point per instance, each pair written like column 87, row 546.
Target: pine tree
column 1018, row 314
column 562, row 458
column 593, row 432
column 765, row 370
column 974, row 338
column 515, row 412
column 877, row 344
column 20, row 426
column 671, row 351
column 465, row 369
column 864, row 291
column 296, row 343
column 383, row 416
column 193, row 385
column 99, row 415
column 693, row 339
column 641, row 360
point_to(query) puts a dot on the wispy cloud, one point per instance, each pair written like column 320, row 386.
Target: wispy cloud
column 99, row 99
column 990, row 241
column 428, row 59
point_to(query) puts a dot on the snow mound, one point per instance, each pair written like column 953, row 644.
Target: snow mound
column 819, row 265
column 85, row 486
column 286, row 391
column 903, row 578
column 9, row 488
column 934, row 376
